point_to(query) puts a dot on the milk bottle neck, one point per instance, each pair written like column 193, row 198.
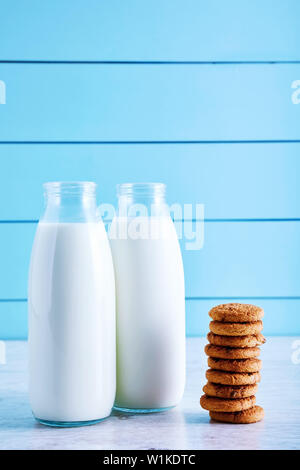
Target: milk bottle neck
column 142, row 199
column 67, row 202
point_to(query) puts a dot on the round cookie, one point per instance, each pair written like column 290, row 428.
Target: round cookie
column 235, row 365
column 238, row 313
column 250, row 341
column 223, row 352
column 226, row 404
column 232, row 378
column 229, row 391
column 251, row 415
column 236, row 329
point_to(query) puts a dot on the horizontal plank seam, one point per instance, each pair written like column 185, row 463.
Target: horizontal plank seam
column 292, row 219
column 150, row 62
column 147, row 142
column 20, row 300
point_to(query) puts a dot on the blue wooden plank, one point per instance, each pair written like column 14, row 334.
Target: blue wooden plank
column 281, row 315
column 13, row 320
column 15, row 248
column 238, row 259
column 128, row 102
column 245, row 259
column 153, row 30
column 233, row 181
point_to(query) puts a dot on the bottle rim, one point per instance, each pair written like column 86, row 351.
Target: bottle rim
column 141, row 189
column 69, row 187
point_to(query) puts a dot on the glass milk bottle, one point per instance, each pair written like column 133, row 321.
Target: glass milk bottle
column 71, row 310
column 150, row 301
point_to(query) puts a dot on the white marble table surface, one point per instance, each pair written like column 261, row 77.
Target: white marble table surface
column 185, row 427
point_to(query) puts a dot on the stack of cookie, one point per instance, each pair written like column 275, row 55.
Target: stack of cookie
column 233, row 350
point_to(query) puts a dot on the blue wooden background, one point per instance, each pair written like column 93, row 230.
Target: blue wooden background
column 193, row 93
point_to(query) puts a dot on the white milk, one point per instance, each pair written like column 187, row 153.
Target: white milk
column 71, row 323
column 150, row 316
